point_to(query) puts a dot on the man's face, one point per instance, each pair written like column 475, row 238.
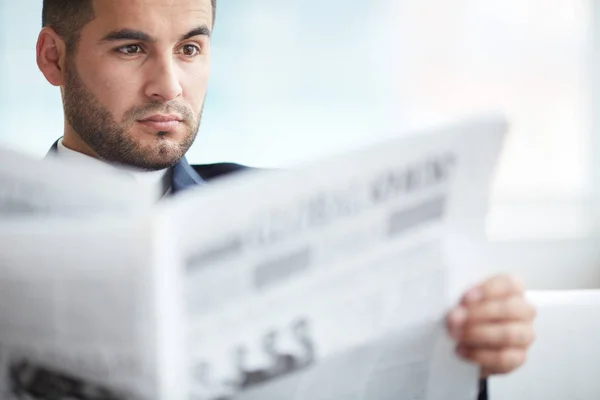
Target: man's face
column 135, row 87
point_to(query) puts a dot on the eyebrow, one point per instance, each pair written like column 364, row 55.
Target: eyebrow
column 140, row 36
column 127, row 34
column 199, row 31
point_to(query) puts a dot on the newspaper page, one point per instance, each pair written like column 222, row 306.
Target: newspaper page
column 65, row 187
column 329, row 282
column 87, row 310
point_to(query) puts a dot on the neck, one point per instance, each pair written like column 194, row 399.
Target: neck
column 73, row 141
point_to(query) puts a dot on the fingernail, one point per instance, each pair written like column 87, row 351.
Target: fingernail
column 474, row 296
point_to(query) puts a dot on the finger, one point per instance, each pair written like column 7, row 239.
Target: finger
column 455, row 321
column 515, row 308
column 495, row 288
column 496, row 335
column 485, row 373
column 494, row 361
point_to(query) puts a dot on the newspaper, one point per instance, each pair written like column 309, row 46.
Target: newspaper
column 328, row 281
column 79, row 314
column 30, row 187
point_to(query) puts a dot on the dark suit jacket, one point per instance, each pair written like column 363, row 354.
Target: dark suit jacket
column 185, row 176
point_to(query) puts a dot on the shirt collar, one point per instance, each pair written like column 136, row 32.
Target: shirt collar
column 182, row 176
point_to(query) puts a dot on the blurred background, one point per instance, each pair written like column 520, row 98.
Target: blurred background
column 293, row 80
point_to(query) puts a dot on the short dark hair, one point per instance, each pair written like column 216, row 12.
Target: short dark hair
column 68, row 17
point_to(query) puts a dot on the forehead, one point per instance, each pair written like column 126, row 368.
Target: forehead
column 155, row 17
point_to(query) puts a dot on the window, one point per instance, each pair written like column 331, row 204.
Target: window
column 360, row 71
column 292, row 81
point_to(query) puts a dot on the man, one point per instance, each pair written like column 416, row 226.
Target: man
column 133, row 78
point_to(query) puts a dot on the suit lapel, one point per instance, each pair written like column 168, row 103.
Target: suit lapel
column 53, row 150
column 184, row 177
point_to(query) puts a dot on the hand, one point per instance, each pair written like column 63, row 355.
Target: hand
column 493, row 325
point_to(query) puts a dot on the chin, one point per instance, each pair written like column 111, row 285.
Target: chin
column 165, row 158
column 159, row 150
column 154, row 158
column 156, row 164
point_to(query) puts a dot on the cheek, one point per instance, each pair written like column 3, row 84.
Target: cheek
column 194, row 82
column 114, row 86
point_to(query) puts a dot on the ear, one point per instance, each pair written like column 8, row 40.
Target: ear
column 50, row 54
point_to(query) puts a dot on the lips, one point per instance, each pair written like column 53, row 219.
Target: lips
column 161, row 122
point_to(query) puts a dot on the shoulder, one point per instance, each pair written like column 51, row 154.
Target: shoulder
column 212, row 171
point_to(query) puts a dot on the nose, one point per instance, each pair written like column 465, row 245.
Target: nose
column 163, row 84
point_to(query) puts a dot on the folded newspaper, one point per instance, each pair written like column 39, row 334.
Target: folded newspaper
column 326, row 281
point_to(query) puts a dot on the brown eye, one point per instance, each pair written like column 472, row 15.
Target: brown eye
column 189, row 50
column 130, row 49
